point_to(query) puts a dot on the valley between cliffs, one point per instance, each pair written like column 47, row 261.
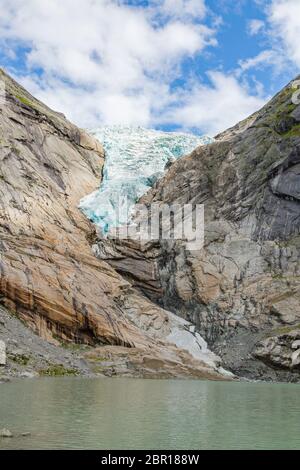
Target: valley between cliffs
column 157, row 310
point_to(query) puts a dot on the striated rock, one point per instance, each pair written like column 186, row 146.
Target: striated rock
column 159, row 363
column 2, row 353
column 247, row 276
column 48, row 274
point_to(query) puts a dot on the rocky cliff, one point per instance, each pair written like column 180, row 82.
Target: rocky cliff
column 242, row 291
column 142, row 309
column 49, row 276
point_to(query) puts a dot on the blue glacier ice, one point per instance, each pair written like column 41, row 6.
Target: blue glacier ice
column 135, row 159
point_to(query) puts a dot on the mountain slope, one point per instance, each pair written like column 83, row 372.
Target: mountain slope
column 242, row 291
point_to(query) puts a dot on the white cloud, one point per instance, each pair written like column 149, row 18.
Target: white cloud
column 263, row 59
column 183, row 8
column 121, row 59
column 284, row 18
column 67, row 38
column 105, row 62
column 281, row 36
column 217, row 107
column 255, row 27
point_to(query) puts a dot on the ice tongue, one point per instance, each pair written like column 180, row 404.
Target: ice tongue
column 135, row 159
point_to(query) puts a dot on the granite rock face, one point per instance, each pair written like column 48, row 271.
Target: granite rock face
column 247, row 276
column 2, row 353
column 281, row 350
column 49, row 276
column 44, row 249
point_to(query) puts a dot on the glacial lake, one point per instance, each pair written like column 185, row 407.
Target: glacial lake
column 76, row 413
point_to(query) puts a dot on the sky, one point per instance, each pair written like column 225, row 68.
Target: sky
column 188, row 65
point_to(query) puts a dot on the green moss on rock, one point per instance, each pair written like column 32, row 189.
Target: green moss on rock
column 293, row 132
column 20, row 359
column 284, row 330
column 25, row 101
column 57, row 370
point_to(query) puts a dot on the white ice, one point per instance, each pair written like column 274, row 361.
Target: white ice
column 135, row 159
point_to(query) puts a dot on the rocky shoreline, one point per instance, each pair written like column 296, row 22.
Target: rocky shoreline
column 29, row 356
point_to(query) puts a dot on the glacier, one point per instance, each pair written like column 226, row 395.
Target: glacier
column 135, row 158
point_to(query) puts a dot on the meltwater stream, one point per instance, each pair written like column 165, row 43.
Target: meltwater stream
column 135, row 159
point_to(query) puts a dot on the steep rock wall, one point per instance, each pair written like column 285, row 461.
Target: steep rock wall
column 247, row 276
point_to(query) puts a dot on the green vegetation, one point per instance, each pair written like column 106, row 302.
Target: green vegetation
column 283, row 115
column 294, row 132
column 57, row 370
column 291, row 242
column 25, row 101
column 97, row 359
column 98, row 364
column 275, row 123
column 278, row 276
column 71, row 346
column 20, row 359
column 281, row 112
column 283, row 330
column 98, row 369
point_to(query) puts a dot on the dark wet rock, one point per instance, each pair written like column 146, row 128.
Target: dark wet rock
column 4, row 379
column 285, row 124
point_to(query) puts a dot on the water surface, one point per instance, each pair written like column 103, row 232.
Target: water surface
column 76, row 413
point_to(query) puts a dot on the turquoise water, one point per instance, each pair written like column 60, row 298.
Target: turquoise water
column 75, row 413
column 135, row 159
